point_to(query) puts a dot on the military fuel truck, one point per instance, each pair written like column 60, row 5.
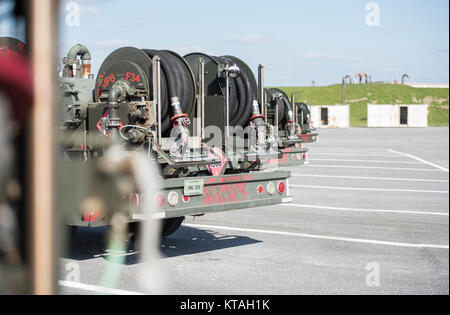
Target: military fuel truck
column 303, row 116
column 198, row 118
column 281, row 114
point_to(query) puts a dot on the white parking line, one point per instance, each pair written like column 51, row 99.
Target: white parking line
column 323, row 237
column 368, row 161
column 313, row 152
column 373, row 167
column 420, row 160
column 349, row 150
column 373, row 178
column 97, row 289
column 371, row 189
column 366, row 210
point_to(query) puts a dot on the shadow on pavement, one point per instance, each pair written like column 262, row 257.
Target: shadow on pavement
column 90, row 243
column 189, row 240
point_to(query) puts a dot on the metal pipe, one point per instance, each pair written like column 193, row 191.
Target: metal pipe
column 403, row 78
column 265, row 107
column 79, row 50
column 83, row 52
column 227, row 100
column 261, row 88
column 202, row 98
column 276, row 115
column 294, row 107
column 158, row 96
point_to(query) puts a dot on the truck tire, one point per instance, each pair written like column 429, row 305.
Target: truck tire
column 171, row 225
column 71, row 231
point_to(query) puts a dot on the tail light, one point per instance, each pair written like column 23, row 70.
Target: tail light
column 134, row 200
column 281, row 187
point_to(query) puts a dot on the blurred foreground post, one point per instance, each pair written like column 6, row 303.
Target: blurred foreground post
column 43, row 39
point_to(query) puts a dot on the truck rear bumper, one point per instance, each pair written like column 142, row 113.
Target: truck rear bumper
column 223, row 193
column 193, row 211
column 310, row 137
column 292, row 156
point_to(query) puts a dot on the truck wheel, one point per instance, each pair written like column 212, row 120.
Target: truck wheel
column 71, row 231
column 133, row 229
column 170, row 226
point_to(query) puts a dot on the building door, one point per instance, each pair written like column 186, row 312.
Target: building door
column 324, row 115
column 403, row 115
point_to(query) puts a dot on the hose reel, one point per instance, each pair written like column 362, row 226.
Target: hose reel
column 242, row 87
column 276, row 96
column 126, row 75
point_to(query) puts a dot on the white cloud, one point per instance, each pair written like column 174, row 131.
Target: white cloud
column 320, row 55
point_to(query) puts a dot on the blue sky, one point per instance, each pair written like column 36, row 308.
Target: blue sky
column 297, row 41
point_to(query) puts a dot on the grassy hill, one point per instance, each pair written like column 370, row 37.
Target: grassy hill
column 359, row 95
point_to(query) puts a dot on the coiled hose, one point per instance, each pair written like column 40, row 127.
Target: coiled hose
column 175, row 81
column 303, row 108
column 242, row 89
column 133, row 66
column 242, row 94
column 284, row 104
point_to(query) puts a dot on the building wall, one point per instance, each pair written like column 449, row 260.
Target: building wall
column 338, row 116
column 385, row 115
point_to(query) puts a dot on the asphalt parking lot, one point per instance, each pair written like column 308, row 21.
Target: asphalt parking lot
column 370, row 215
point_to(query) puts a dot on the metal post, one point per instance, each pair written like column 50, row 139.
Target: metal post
column 43, row 30
column 157, row 64
column 227, row 100
column 294, row 107
column 276, row 116
column 202, row 98
column 265, row 107
column 261, row 89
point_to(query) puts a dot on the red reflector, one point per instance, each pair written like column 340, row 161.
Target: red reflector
column 186, row 199
column 260, row 189
column 304, row 156
column 90, row 216
column 135, row 199
column 281, row 187
column 160, row 200
column 293, row 156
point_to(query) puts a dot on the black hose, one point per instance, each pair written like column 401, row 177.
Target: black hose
column 284, row 104
column 303, row 108
column 175, row 82
column 242, row 93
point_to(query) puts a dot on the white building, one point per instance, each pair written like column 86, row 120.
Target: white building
column 330, row 116
column 384, row 115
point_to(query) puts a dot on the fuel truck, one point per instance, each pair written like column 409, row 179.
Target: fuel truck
column 202, row 120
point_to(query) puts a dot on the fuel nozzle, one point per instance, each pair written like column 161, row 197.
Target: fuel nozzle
column 178, row 115
column 179, row 133
column 256, row 111
column 176, row 106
